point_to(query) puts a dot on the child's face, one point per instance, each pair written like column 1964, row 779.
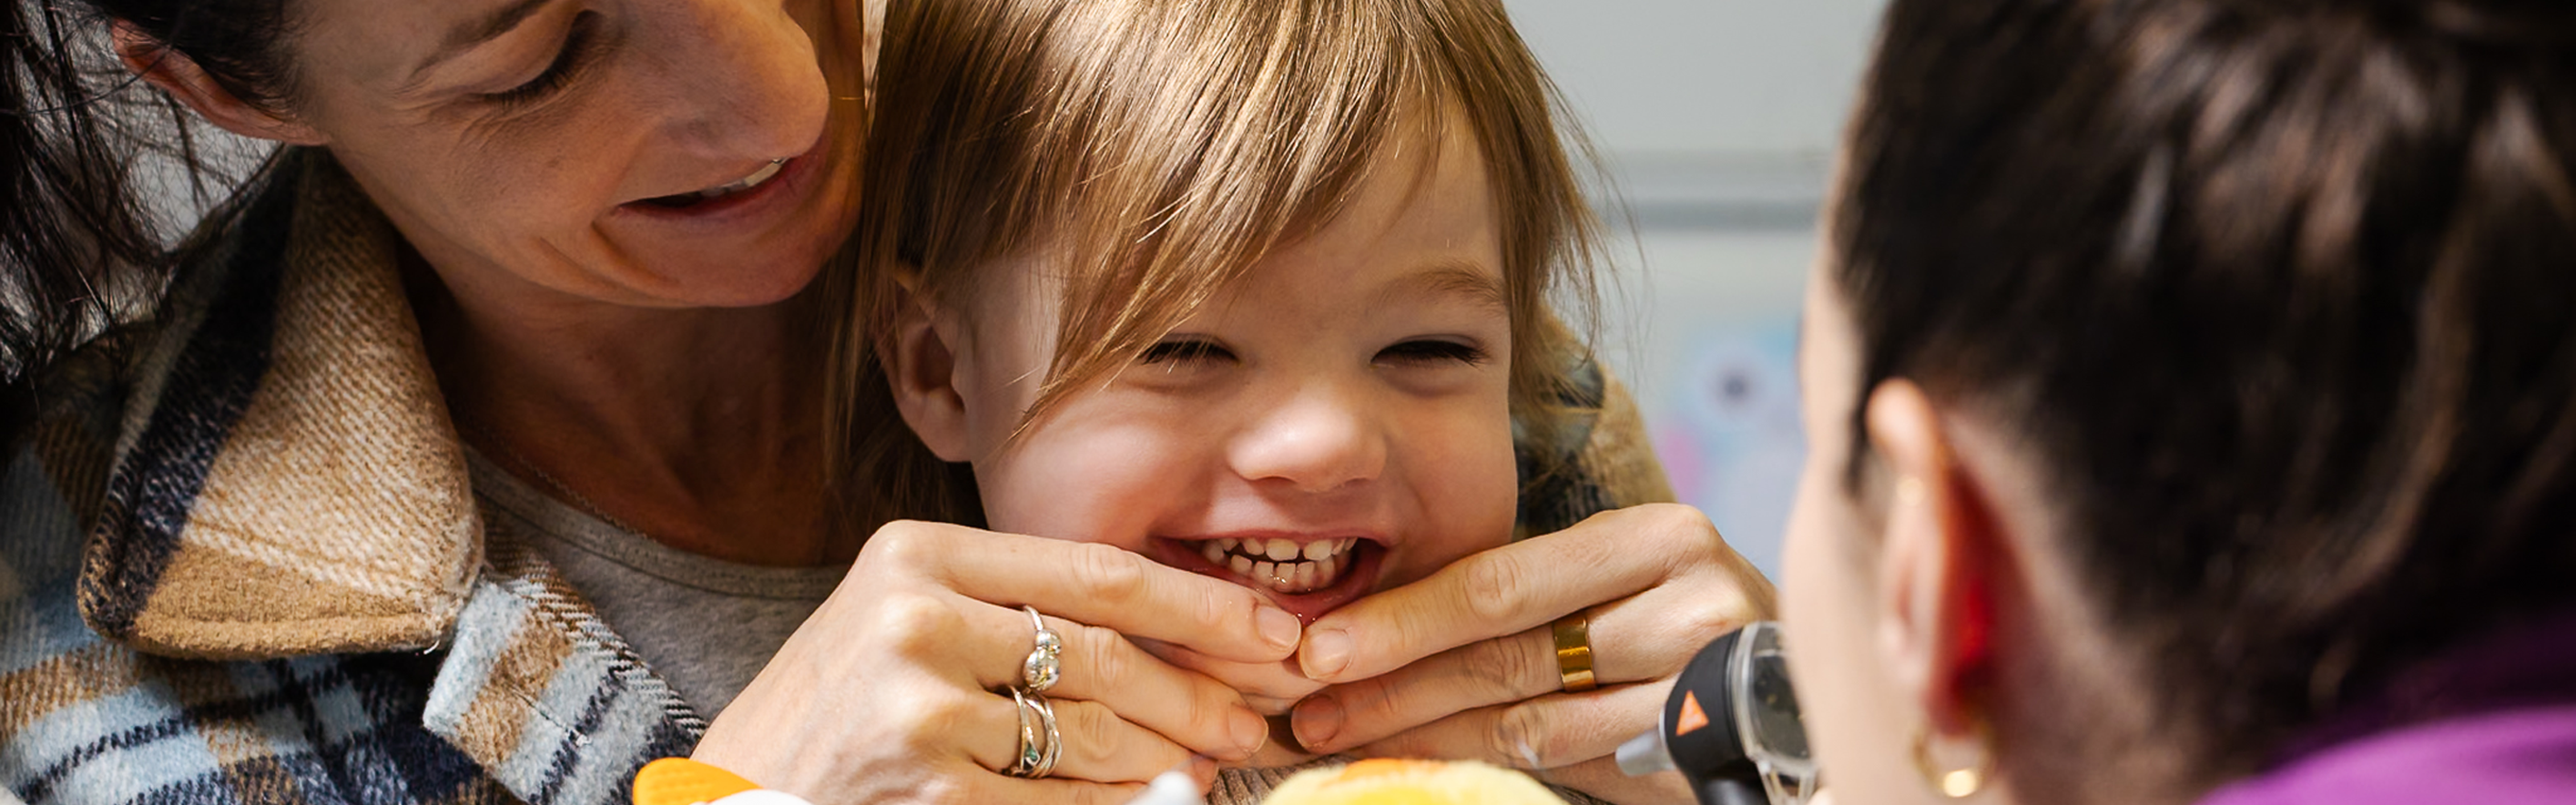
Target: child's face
column 1334, row 422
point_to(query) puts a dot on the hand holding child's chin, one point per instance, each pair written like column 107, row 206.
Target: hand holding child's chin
column 1462, row 664
column 890, row 689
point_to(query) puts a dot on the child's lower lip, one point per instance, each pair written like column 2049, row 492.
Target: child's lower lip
column 1355, row 581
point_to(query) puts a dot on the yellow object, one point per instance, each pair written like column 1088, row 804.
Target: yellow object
column 681, row 781
column 1411, row 782
column 1574, row 652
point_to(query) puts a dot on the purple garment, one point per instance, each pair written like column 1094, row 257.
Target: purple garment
column 2491, row 724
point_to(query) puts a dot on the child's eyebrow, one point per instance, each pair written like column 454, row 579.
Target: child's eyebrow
column 1453, row 277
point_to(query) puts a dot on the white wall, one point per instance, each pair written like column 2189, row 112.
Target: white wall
column 1718, row 118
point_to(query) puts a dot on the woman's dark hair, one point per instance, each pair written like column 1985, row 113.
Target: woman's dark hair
column 2281, row 292
column 82, row 244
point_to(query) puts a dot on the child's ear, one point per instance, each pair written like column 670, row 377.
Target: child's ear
column 921, row 367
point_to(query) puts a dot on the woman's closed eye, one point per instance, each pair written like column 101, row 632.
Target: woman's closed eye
column 582, row 43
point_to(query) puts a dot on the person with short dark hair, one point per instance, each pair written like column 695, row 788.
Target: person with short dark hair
column 2191, row 388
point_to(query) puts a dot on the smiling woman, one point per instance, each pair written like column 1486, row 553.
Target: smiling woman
column 567, row 235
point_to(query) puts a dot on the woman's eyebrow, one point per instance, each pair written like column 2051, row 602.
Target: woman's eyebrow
column 478, row 31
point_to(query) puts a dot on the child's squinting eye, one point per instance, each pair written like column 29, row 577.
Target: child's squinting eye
column 1185, row 350
column 1423, row 351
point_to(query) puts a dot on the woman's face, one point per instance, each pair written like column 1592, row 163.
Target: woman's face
column 1335, row 422
column 618, row 151
column 1854, row 711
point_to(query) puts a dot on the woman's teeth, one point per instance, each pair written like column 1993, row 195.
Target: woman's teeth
column 1283, row 565
column 757, row 177
column 748, row 182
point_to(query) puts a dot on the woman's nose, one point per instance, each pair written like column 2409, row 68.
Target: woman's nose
column 743, row 80
column 1316, row 439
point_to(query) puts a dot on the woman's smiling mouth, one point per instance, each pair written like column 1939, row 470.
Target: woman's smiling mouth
column 764, row 174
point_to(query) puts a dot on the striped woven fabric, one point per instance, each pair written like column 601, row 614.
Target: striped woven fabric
column 243, row 562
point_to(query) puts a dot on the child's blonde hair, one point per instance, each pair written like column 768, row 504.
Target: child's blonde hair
column 1156, row 149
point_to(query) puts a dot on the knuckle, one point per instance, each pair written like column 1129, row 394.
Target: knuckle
column 1516, row 738
column 942, row 715
column 1495, row 584
column 1201, row 708
column 1107, row 656
column 1677, row 524
column 1517, row 665
column 1714, row 617
column 1372, row 703
column 1090, row 730
column 1230, row 610
column 898, row 543
column 1108, row 574
column 917, row 626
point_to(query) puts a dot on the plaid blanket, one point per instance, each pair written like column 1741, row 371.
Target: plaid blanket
column 243, row 562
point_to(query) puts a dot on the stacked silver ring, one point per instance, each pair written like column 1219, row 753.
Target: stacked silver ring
column 1040, row 671
column 1040, row 744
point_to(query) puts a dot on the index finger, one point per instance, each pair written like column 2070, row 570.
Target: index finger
column 1501, row 591
column 1103, row 586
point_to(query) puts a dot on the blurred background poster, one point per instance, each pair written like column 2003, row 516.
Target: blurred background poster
column 1718, row 120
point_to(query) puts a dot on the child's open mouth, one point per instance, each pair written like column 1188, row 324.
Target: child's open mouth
column 1308, row 576
column 1281, row 563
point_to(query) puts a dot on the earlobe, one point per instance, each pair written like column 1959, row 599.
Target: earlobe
column 180, row 76
column 1936, row 577
column 921, row 368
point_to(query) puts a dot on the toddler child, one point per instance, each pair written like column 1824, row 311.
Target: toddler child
column 1257, row 290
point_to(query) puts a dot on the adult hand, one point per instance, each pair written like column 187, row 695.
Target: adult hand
column 887, row 694
column 1462, row 664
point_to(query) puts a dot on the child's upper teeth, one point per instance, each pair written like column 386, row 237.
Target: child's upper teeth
column 1281, row 564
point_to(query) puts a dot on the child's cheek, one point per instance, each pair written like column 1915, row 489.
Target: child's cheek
column 1079, row 481
column 1470, row 497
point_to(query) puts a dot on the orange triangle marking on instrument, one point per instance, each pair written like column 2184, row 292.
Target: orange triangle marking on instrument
column 1692, row 718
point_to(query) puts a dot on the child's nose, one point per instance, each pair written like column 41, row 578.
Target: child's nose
column 1318, row 439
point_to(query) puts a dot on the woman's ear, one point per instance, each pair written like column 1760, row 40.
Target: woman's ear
column 920, row 362
column 1942, row 559
column 180, row 76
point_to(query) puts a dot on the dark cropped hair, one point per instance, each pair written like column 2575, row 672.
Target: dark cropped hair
column 81, row 247
column 2282, row 294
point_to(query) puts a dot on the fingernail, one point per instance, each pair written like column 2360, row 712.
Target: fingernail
column 1250, row 731
column 1279, row 627
column 1327, row 652
column 1317, row 721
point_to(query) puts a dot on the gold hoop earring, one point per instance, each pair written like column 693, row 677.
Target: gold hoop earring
column 1959, row 783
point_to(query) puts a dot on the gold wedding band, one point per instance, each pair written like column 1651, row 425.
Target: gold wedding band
column 1574, row 652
